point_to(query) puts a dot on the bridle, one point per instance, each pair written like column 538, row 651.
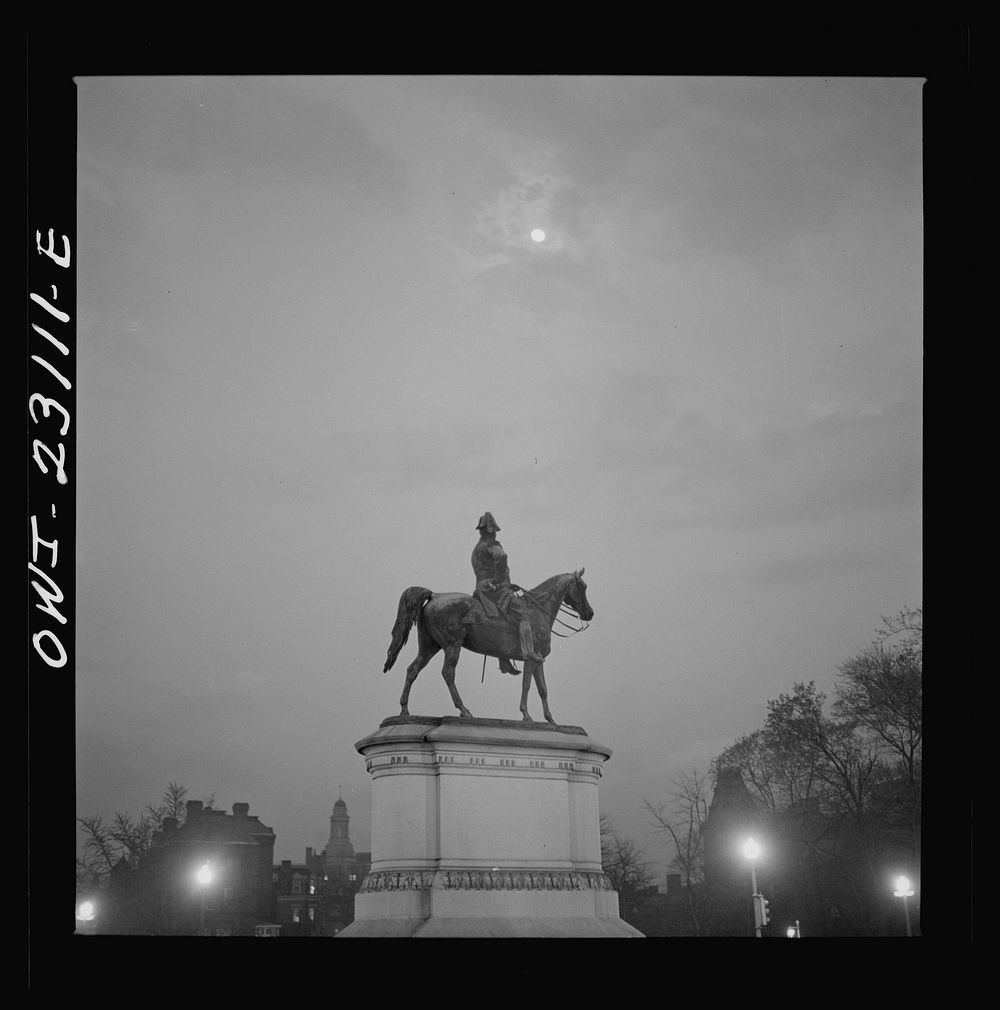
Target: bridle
column 568, row 611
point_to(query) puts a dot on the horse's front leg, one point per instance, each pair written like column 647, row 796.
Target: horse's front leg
column 525, row 685
column 451, row 654
column 538, row 671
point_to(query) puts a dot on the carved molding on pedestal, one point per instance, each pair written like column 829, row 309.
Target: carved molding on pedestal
column 485, row 880
column 397, row 880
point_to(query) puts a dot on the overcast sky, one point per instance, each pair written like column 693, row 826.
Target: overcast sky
column 317, row 341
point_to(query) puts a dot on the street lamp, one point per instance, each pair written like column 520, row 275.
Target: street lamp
column 86, row 913
column 204, row 877
column 752, row 851
column 904, row 890
column 793, row 932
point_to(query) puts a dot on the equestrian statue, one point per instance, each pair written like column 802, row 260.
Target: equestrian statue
column 499, row 619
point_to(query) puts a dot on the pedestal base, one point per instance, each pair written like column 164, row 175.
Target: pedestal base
column 484, row 928
column 484, row 827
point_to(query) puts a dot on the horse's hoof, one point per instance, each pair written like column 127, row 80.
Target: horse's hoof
column 549, row 718
column 464, row 713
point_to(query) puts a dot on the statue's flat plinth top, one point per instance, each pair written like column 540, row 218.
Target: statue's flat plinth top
column 433, row 730
column 454, row 720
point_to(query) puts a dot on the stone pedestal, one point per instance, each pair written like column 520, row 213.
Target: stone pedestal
column 484, row 827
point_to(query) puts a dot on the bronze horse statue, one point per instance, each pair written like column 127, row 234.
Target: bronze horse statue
column 438, row 617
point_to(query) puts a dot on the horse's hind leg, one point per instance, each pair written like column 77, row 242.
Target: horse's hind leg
column 451, row 654
column 427, row 648
column 538, row 671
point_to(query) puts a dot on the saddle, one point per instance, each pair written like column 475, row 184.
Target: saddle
column 508, row 614
column 479, row 614
column 484, row 611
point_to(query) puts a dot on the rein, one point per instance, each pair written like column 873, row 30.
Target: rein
column 563, row 609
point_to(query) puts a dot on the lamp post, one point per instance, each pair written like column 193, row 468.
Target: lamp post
column 204, row 877
column 904, row 890
column 752, row 850
column 793, row 932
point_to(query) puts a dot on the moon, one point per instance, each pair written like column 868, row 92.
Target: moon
column 538, row 235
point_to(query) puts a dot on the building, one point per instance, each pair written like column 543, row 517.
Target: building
column 338, row 857
column 209, row 876
column 316, row 897
column 732, row 818
column 298, row 896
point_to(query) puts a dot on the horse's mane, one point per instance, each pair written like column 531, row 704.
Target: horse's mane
column 553, row 585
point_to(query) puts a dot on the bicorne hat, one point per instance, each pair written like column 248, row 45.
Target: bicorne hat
column 488, row 520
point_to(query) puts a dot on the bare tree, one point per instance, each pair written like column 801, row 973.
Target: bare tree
column 624, row 865
column 682, row 817
column 843, row 762
column 843, row 785
column 909, row 621
column 881, row 692
column 881, row 688
column 100, row 852
column 172, row 803
column 127, row 835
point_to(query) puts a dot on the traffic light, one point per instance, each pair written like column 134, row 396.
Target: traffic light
column 761, row 917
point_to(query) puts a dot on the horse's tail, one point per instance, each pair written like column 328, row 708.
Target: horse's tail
column 409, row 610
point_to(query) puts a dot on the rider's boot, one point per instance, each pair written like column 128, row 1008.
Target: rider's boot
column 506, row 666
column 528, row 642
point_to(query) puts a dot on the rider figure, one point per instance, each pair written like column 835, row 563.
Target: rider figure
column 495, row 591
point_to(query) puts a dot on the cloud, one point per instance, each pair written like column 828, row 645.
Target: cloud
column 249, row 683
column 790, row 567
column 166, row 155
column 503, row 225
column 700, row 469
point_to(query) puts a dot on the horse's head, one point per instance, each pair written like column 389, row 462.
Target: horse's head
column 576, row 597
